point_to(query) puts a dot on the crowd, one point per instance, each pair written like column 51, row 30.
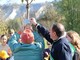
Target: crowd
column 28, row 43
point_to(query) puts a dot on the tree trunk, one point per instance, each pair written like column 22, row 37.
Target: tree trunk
column 28, row 9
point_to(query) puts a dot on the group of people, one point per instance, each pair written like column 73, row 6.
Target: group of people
column 29, row 43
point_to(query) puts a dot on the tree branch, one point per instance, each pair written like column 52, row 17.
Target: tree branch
column 31, row 2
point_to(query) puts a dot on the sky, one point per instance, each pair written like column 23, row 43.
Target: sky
column 19, row 1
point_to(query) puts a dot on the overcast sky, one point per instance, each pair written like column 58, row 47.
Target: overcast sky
column 19, row 1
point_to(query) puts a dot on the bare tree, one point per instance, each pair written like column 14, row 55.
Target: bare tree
column 28, row 7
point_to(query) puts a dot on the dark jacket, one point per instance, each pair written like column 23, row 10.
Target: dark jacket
column 60, row 48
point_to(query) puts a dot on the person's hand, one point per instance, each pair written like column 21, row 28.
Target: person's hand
column 33, row 21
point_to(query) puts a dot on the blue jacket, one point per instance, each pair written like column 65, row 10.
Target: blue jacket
column 27, row 51
column 60, row 48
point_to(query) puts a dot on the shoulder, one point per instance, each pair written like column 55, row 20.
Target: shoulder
column 32, row 47
column 61, row 41
column 36, row 33
column 63, row 44
column 0, row 45
column 7, row 45
column 37, row 44
column 64, row 41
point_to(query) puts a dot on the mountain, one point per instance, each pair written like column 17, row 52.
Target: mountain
column 16, row 11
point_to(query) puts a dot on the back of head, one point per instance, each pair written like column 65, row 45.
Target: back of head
column 58, row 28
column 75, row 38
column 28, row 26
column 11, row 31
column 27, row 37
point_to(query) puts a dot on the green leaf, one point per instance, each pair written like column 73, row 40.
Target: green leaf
column 22, row 1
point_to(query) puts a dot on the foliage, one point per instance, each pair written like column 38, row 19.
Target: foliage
column 50, row 15
column 48, row 12
column 14, row 24
column 3, row 27
column 1, row 14
column 6, row 25
column 22, row 1
column 70, row 9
